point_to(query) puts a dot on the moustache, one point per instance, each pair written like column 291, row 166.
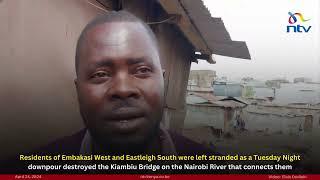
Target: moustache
column 123, row 103
column 123, row 109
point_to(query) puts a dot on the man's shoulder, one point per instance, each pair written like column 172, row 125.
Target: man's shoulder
column 67, row 145
column 186, row 146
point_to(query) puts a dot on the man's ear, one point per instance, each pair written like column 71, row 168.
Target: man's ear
column 163, row 72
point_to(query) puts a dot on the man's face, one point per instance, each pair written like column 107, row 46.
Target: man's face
column 120, row 84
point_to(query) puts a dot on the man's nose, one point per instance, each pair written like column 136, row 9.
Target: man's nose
column 123, row 87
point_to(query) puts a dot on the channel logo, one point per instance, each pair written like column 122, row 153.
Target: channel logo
column 295, row 20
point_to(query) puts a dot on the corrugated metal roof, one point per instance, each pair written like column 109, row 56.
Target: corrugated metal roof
column 207, row 34
column 192, row 99
column 229, row 104
column 213, row 31
column 198, row 98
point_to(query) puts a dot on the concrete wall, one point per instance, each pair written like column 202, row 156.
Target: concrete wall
column 267, row 119
column 202, row 78
column 201, row 115
column 284, row 119
column 315, row 112
column 271, row 123
column 37, row 47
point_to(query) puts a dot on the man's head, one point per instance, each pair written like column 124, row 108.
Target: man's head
column 119, row 81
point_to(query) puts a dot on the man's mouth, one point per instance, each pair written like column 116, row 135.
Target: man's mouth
column 125, row 120
column 123, row 114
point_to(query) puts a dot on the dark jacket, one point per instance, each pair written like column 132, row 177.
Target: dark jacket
column 71, row 145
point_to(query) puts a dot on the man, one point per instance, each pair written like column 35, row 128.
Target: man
column 120, row 87
column 121, row 93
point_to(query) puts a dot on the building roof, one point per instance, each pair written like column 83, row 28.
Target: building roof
column 207, row 34
column 210, row 100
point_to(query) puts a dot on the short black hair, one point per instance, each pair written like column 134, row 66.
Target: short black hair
column 112, row 16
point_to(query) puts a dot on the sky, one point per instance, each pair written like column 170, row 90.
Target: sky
column 275, row 53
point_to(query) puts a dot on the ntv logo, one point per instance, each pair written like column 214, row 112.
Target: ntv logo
column 297, row 28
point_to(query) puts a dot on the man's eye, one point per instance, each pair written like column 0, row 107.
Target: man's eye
column 143, row 70
column 100, row 74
